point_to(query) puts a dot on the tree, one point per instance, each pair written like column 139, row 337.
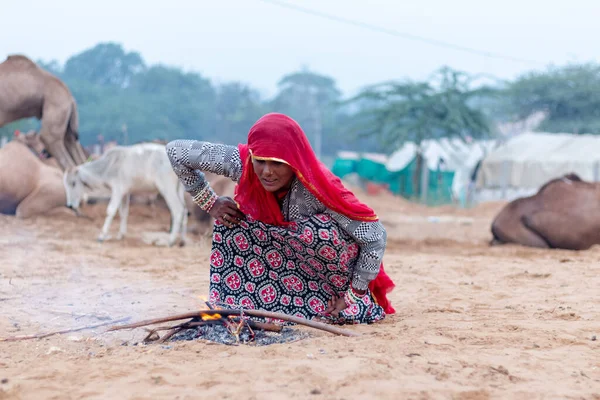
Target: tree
column 570, row 97
column 238, row 107
column 397, row 112
column 52, row 66
column 187, row 100
column 105, row 64
column 311, row 99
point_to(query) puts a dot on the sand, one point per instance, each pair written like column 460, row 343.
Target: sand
column 472, row 322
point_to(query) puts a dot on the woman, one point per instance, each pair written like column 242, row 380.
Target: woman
column 294, row 240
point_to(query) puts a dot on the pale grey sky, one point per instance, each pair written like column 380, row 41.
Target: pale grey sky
column 257, row 43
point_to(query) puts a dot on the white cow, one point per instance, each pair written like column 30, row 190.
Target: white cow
column 140, row 168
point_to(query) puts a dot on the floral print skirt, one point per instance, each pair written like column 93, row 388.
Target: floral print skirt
column 293, row 270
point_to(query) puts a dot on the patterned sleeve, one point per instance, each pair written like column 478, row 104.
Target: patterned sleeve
column 371, row 238
column 190, row 157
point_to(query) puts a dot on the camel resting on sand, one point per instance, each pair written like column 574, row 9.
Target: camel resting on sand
column 563, row 214
column 32, row 140
column 28, row 187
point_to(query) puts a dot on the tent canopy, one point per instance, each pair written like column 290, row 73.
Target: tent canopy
column 530, row 160
column 447, row 180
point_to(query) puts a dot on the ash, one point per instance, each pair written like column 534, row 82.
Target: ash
column 220, row 334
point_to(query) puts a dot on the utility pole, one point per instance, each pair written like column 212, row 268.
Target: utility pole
column 125, row 136
column 316, row 117
column 318, row 131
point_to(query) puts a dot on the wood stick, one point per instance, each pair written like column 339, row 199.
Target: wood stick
column 186, row 325
column 264, row 326
column 252, row 313
column 202, row 323
column 43, row 335
column 148, row 337
column 176, row 328
column 169, row 335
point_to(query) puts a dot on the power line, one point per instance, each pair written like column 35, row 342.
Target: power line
column 404, row 35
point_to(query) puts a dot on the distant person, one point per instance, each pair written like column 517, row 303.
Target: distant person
column 295, row 240
column 473, row 182
column 441, row 164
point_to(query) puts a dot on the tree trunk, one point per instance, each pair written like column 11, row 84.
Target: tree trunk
column 416, row 178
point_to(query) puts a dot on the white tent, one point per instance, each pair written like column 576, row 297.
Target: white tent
column 402, row 157
column 458, row 156
column 375, row 157
column 433, row 151
column 348, row 155
column 527, row 161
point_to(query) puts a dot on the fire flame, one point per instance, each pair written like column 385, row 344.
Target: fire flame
column 208, row 317
column 205, row 316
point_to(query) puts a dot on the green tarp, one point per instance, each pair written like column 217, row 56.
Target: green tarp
column 402, row 183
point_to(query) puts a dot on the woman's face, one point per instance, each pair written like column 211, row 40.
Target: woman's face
column 273, row 175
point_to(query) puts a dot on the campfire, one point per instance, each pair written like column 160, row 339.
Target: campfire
column 240, row 328
column 226, row 326
column 230, row 326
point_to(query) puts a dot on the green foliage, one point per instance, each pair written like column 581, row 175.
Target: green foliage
column 397, row 112
column 123, row 99
column 105, row 64
column 311, row 99
column 570, row 96
column 238, row 107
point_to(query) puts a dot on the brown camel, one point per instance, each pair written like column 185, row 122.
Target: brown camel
column 563, row 214
column 32, row 140
column 28, row 91
column 28, row 187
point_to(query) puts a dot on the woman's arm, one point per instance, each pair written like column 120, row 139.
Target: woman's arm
column 371, row 238
column 189, row 157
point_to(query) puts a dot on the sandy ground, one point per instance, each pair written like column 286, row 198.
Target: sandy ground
column 472, row 322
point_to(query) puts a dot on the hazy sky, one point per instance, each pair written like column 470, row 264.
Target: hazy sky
column 257, row 42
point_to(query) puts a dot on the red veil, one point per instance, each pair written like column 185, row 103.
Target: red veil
column 278, row 137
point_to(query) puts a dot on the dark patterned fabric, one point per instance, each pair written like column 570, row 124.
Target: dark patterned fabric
column 292, row 270
column 190, row 157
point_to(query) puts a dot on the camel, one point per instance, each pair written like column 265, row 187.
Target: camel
column 563, row 214
column 28, row 187
column 32, row 140
column 26, row 91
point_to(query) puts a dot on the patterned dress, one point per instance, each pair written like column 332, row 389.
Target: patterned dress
column 293, row 269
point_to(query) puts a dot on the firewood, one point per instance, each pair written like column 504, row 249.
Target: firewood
column 43, row 335
column 264, row 326
column 251, row 313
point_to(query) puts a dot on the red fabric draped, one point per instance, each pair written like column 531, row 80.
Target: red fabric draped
column 280, row 138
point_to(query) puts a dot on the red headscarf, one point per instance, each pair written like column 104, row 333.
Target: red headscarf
column 278, row 137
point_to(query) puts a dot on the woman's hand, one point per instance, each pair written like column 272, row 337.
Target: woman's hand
column 226, row 211
column 335, row 305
